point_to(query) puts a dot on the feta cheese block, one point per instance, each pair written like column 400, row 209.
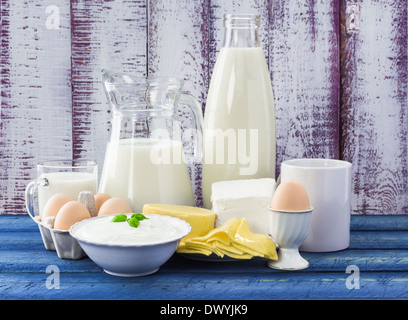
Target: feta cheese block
column 247, row 199
column 201, row 220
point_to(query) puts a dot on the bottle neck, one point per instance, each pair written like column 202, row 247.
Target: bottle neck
column 241, row 31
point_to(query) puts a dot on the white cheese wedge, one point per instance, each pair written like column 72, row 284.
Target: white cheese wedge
column 247, row 199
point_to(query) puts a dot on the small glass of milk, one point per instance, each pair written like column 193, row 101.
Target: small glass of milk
column 68, row 177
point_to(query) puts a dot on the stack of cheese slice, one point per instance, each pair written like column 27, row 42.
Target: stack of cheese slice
column 234, row 239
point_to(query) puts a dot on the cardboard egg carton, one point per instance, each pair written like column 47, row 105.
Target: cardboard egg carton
column 60, row 241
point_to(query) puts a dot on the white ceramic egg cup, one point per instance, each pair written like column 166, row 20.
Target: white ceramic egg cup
column 288, row 230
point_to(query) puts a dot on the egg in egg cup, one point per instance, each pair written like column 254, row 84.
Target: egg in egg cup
column 290, row 216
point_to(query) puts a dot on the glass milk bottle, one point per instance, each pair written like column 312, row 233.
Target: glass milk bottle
column 239, row 138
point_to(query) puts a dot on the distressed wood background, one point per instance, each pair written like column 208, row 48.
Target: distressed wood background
column 338, row 70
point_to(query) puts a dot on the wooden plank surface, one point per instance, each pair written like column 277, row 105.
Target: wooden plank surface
column 204, row 286
column 368, row 260
column 304, row 66
column 11, row 223
column 360, row 240
column 374, row 104
column 382, row 271
column 379, row 222
column 177, row 43
column 35, row 119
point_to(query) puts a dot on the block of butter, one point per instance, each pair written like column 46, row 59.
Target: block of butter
column 201, row 220
column 247, row 199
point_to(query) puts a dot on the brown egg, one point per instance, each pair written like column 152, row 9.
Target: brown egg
column 70, row 213
column 100, row 198
column 290, row 195
column 113, row 206
column 54, row 204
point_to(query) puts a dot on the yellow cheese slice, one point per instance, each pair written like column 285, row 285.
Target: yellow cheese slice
column 232, row 251
column 227, row 248
column 223, row 233
column 194, row 248
column 255, row 242
column 201, row 220
column 233, row 238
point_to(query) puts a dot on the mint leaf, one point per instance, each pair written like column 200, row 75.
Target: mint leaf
column 119, row 218
column 133, row 222
column 138, row 216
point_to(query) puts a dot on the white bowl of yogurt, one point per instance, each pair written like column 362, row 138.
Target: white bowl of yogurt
column 122, row 250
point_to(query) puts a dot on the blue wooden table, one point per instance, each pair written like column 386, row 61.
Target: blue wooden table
column 375, row 266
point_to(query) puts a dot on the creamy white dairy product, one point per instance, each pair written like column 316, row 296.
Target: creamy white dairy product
column 247, row 199
column 68, row 183
column 240, row 114
column 144, row 170
column 155, row 229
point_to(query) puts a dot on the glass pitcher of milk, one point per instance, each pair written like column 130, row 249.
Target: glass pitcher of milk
column 146, row 160
column 239, row 139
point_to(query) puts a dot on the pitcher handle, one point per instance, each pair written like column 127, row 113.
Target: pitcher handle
column 192, row 103
column 29, row 195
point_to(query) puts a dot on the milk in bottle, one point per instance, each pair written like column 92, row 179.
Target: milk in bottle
column 239, row 139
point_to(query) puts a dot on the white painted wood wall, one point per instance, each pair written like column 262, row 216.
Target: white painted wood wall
column 340, row 93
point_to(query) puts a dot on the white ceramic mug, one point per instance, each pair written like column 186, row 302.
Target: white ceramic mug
column 328, row 184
